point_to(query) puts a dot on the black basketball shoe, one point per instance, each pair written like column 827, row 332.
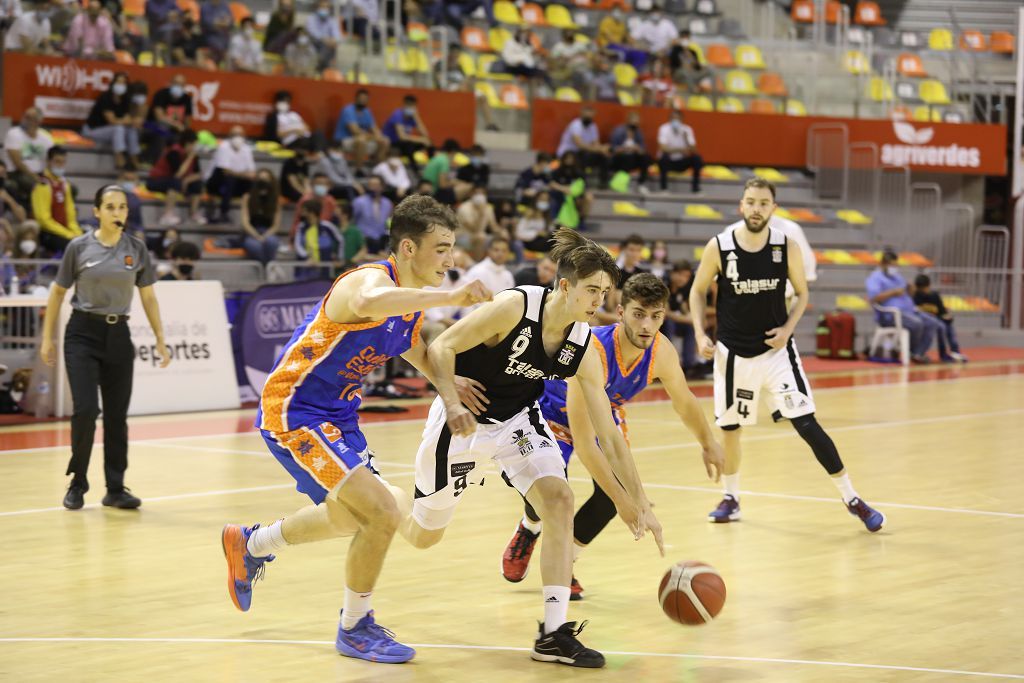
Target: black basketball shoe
column 562, row 646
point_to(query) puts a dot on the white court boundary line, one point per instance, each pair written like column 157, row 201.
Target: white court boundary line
column 443, row 646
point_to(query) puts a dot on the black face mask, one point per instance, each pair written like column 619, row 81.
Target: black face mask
column 186, row 269
column 360, row 107
column 587, row 122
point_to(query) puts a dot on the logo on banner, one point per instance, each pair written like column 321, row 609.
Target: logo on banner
column 916, row 151
column 278, row 318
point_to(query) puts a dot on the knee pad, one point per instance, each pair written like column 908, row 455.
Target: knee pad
column 593, row 516
column 824, row 449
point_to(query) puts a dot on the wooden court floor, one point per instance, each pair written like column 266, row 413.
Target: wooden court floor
column 101, row 595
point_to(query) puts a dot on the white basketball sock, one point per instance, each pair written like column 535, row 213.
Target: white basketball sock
column 355, row 608
column 576, row 550
column 731, row 482
column 266, row 540
column 556, row 607
column 842, row 483
column 532, row 526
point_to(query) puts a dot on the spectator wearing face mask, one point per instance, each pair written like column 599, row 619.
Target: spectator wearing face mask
column 286, row 126
column 324, row 30
column 245, row 52
column 534, row 178
column 176, row 173
column 658, row 32
column 186, row 42
column 110, row 122
column 91, row 35
column 569, row 59
column 300, row 57
column 395, row 176
column 333, row 164
column 53, row 206
column 22, row 244
column 279, row 29
column 183, row 262
column 30, row 32
column 677, row 151
column 320, row 189
column 629, row 152
column 261, row 218
column 12, row 214
column 371, row 213
column 231, row 173
column 295, row 174
column 216, row 20
column 476, row 222
column 533, row 229
column 26, row 146
column 477, row 173
column 358, row 133
column 317, row 240
column 583, row 137
column 406, row 131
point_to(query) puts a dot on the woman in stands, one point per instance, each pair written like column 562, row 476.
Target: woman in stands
column 110, row 122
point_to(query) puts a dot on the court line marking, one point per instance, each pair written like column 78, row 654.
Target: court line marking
column 444, row 646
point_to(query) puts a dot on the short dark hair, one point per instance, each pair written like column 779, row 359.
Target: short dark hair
column 320, row 174
column 314, row 206
column 632, row 239
column 889, row 254
column 498, row 239
column 578, row 257
column 646, row 289
column 761, row 183
column 247, row 20
column 477, row 149
column 282, row 95
column 450, row 145
column 97, row 199
column 543, row 158
column 922, row 280
column 186, row 250
column 56, row 151
column 409, row 99
column 682, row 266
column 187, row 136
column 362, row 91
column 417, row 215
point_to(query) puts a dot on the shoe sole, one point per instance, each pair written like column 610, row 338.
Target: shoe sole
column 575, row 597
column 879, row 527
column 371, row 657
column 538, row 657
column 503, row 574
column 233, row 561
column 734, row 517
column 123, row 507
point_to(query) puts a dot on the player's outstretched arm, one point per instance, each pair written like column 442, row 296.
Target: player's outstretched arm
column 666, row 369
column 778, row 336
column 491, row 321
column 710, row 262
column 369, row 294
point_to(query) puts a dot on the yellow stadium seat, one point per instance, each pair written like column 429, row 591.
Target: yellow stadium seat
column 855, row 62
column 841, row 257
column 854, row 217
column 796, row 108
column 497, row 37
column 852, row 302
column 559, row 17
column 567, row 94
column 717, row 172
column 485, row 64
column 625, row 75
column 626, row 99
column 771, row 174
column 466, row 64
column 749, row 57
column 628, row 209
column 730, row 105
column 879, row 90
column 783, row 213
column 926, row 113
column 699, row 103
column 702, row 211
column 487, row 90
column 459, row 159
column 146, row 59
column 420, row 157
column 698, row 252
column 740, row 83
column 363, row 79
column 415, row 61
column 699, row 51
column 940, row 39
column 507, row 13
column 933, row 92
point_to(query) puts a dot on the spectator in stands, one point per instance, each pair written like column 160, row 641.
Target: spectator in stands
column 162, row 18
column 603, row 85
column 629, row 151
column 91, row 35
column 658, row 87
column 929, row 302
column 320, row 189
column 279, row 28
column 542, row 274
column 679, row 322
column 476, row 221
column 216, row 21
column 357, row 131
column 686, row 67
column 23, row 244
column 460, row 81
column 437, row 172
column 300, row 56
column 569, row 60
column 520, row 59
column 62, row 13
column 658, row 265
column 128, row 178
column 245, row 52
column 26, row 146
column 477, row 173
column 261, row 218
column 371, row 212
column 677, row 151
column 183, row 262
column 568, row 184
column 658, row 32
column 492, row 270
column 344, row 185
column 395, row 176
column 231, row 173
column 423, row 187
column 12, row 213
column 355, row 244
column 176, row 174
column 631, row 254
column 886, row 287
column 295, row 174
column 170, row 115
column 187, row 42
column 406, row 131
column 325, row 31
column 30, row 32
column 110, row 122
column 534, row 179
column 138, row 93
column 533, row 229
column 317, row 240
column 286, row 126
column 454, row 12
column 53, row 205
column 612, row 30
column 583, row 137
column 366, row 15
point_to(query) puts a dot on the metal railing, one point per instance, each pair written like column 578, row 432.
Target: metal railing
column 828, row 159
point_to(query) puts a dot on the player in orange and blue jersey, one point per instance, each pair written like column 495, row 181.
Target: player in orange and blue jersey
column 634, row 354
column 308, row 417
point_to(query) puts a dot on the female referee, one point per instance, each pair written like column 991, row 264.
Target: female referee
column 104, row 266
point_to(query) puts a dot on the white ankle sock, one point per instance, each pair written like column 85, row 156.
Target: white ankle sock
column 266, row 540
column 532, row 526
column 842, row 483
column 576, row 550
column 356, row 607
column 556, row 607
column 731, row 482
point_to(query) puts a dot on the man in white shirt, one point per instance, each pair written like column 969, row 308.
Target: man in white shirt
column 570, row 57
column 583, row 137
column 26, row 146
column 30, row 32
column 492, row 271
column 677, row 150
column 395, row 176
column 232, row 171
column 660, row 32
column 245, row 52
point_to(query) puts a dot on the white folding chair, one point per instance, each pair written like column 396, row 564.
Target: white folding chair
column 886, row 338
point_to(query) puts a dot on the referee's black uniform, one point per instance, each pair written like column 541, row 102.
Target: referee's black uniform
column 99, row 354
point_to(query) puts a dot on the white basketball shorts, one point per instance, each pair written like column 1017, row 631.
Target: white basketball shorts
column 739, row 382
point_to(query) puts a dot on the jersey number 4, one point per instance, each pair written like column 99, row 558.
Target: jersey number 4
column 742, row 408
column 731, row 271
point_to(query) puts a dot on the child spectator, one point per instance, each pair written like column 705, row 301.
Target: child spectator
column 930, row 302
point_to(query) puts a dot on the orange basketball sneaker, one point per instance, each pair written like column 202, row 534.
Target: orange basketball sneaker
column 243, row 568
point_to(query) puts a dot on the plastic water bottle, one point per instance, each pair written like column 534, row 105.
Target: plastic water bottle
column 12, row 289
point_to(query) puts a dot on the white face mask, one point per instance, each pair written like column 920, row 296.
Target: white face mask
column 119, row 89
column 479, row 199
column 237, row 141
column 543, row 206
column 335, row 155
column 283, row 107
column 27, row 246
column 320, row 190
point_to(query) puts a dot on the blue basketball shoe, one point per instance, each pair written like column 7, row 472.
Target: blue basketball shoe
column 727, row 511
column 872, row 518
column 243, row 568
column 367, row 640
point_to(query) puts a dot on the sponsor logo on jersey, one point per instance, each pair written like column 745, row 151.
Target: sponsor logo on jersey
column 460, row 469
column 526, row 332
column 745, row 393
column 776, row 254
column 522, row 442
column 769, row 284
column 566, row 355
column 525, row 369
column 391, row 326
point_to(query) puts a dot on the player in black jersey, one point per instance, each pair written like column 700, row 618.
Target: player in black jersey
column 755, row 348
column 510, row 346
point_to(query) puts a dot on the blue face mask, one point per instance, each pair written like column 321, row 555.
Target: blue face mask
column 130, row 186
column 323, row 13
column 320, row 190
column 177, row 91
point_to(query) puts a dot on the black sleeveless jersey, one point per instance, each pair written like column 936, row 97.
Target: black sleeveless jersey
column 751, row 292
column 513, row 371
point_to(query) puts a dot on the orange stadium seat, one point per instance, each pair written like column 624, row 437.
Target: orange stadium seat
column 190, row 6
column 513, row 97
column 867, row 13
column 474, row 38
column 1002, row 43
column 973, row 41
column 771, row 83
column 123, row 57
column 802, row 11
column 762, row 106
column 832, row 10
column 909, row 64
column 239, row 11
column 333, row 75
column 533, row 14
column 135, row 8
column 720, row 55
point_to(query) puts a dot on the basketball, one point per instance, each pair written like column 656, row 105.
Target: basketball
column 692, row 593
